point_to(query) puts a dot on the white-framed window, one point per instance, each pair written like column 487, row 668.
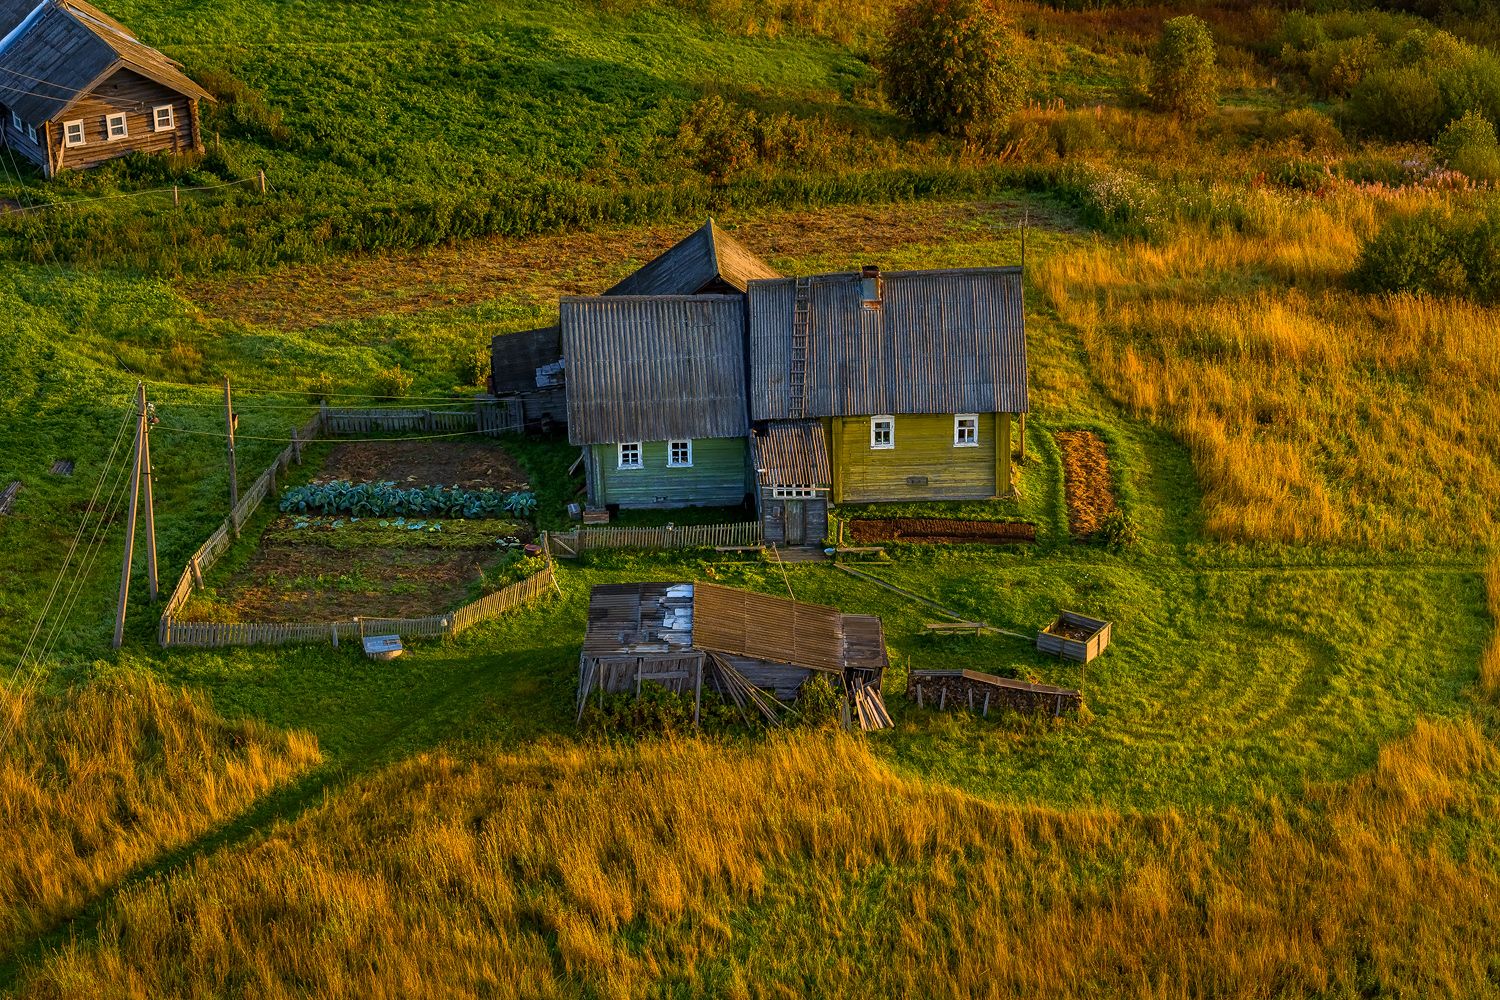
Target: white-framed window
column 115, row 127
column 679, row 454
column 966, row 430
column 162, row 119
column 15, row 122
column 31, row 132
column 630, row 455
column 883, row 431
column 73, row 134
column 794, row 492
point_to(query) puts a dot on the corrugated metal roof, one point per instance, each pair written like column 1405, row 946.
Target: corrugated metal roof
column 66, row 50
column 653, row 368
column 626, row 618
column 777, row 629
column 939, row 342
column 791, row 453
column 707, row 260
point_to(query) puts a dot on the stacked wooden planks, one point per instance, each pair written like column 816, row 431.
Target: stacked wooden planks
column 979, row 692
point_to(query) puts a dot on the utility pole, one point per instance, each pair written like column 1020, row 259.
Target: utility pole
column 148, row 419
column 142, row 460
column 234, row 480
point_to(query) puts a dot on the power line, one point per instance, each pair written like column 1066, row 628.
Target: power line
column 340, row 440
column 133, row 194
column 288, row 392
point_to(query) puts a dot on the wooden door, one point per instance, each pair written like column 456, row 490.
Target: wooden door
column 796, row 522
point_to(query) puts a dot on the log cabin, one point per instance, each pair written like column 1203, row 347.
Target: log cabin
column 656, row 398
column 885, row 387
column 78, row 89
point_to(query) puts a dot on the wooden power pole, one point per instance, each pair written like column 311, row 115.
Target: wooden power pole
column 141, row 462
column 234, row 479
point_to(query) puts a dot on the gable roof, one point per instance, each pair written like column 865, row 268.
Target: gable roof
column 708, row 260
column 639, row 618
column 948, row 341
column 52, row 53
column 654, row 368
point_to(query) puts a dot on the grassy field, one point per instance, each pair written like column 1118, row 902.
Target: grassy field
column 1284, row 781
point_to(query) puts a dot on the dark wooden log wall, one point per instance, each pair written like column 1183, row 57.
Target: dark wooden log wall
column 136, row 96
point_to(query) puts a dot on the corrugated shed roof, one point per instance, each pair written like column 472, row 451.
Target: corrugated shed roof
column 777, row 629
column 626, row 618
column 67, row 49
column 704, row 261
column 939, row 342
column 791, row 453
column 653, row 368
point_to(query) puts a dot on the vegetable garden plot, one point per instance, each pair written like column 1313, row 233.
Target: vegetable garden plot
column 1087, row 480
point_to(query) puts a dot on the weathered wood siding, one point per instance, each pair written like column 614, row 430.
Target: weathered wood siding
column 814, row 518
column 718, row 477
column 16, row 140
column 924, row 464
column 136, row 96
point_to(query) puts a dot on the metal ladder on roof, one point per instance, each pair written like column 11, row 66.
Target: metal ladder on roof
column 797, row 409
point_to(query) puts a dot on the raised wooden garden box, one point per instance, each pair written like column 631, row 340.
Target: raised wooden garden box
column 1074, row 636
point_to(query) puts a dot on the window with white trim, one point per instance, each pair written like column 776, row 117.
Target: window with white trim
column 630, row 455
column 966, row 430
column 31, row 132
column 679, row 454
column 794, row 492
column 15, row 122
column 883, row 432
column 73, row 134
column 162, row 119
column 115, row 127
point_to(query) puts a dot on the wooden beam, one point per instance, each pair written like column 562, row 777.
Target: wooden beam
column 1021, row 440
column 836, row 458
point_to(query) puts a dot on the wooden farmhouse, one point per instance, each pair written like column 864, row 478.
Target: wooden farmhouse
column 656, row 398
column 528, row 367
column 77, row 88
column 869, row 387
column 756, row 651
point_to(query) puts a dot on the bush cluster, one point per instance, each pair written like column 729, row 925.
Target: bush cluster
column 1183, row 79
column 1434, row 252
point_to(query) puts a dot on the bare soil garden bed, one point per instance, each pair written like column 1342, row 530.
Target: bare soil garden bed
column 1087, row 481
column 313, row 583
column 472, row 465
column 942, row 530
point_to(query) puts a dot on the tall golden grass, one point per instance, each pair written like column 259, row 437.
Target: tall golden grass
column 100, row 780
column 1489, row 664
column 1314, row 414
column 808, row 868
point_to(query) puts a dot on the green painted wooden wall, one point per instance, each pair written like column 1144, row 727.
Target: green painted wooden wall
column 718, row 477
column 924, row 448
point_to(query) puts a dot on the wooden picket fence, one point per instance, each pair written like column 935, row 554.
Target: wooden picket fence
column 208, row 634
column 489, row 416
column 568, row 545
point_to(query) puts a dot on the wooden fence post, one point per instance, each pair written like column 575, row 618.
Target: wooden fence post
column 262, row 182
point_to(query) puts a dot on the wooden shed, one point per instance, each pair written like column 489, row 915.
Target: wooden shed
column 743, row 645
column 793, row 478
column 77, row 88
column 914, row 375
column 527, row 367
column 656, row 397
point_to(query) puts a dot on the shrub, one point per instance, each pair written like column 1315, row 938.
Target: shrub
column 392, row 382
column 1182, row 68
column 1114, row 201
column 1117, row 528
column 1401, row 104
column 1302, row 175
column 1468, row 145
column 322, row 388
column 954, row 65
column 819, row 703
column 1434, row 252
column 1310, row 129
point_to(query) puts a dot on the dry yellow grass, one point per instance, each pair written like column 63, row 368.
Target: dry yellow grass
column 99, row 781
column 808, row 868
column 1314, row 414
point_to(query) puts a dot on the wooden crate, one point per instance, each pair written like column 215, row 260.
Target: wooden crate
column 1082, row 650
